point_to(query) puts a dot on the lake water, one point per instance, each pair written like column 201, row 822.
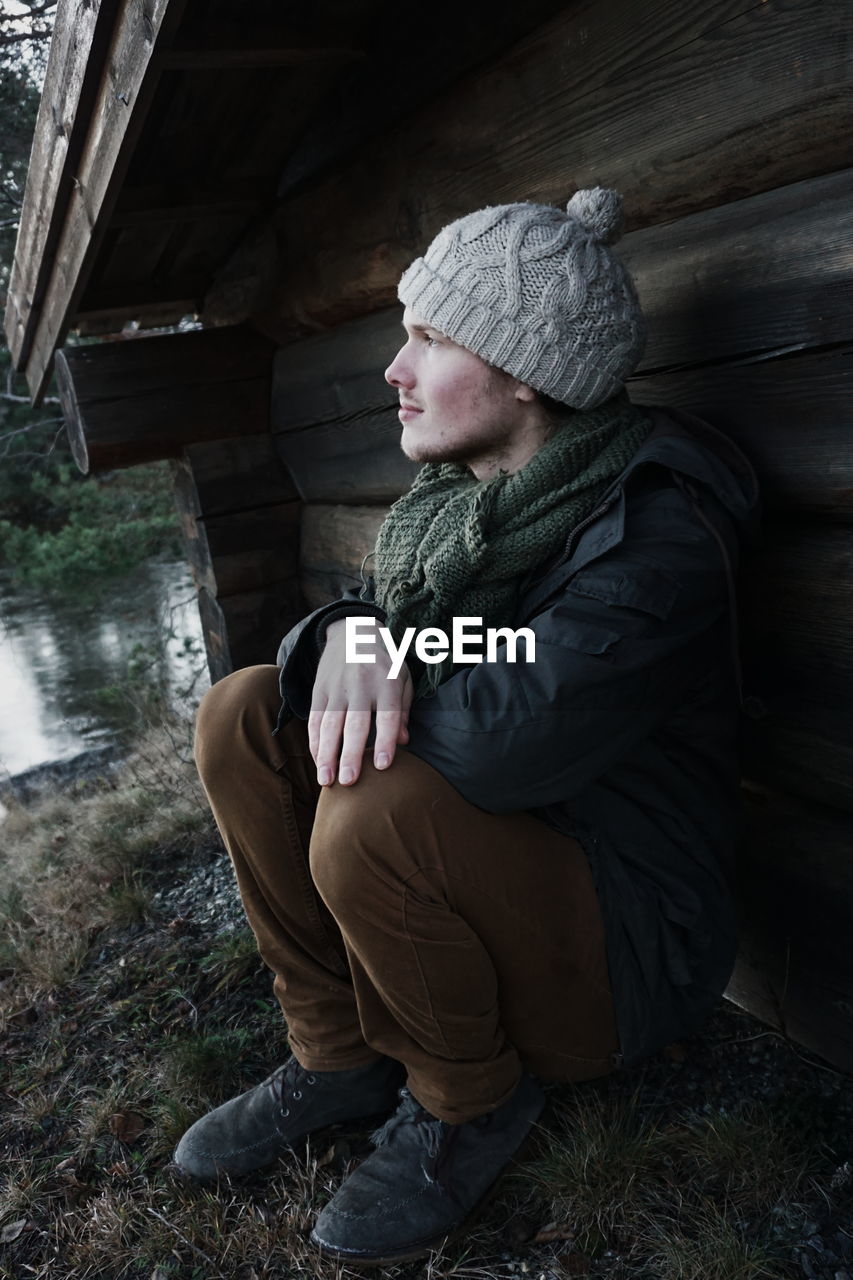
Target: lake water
column 58, row 655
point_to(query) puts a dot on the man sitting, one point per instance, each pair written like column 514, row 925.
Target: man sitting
column 470, row 875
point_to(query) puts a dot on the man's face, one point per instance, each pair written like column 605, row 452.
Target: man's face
column 453, row 406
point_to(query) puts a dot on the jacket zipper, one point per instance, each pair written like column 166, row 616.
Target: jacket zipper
column 579, row 528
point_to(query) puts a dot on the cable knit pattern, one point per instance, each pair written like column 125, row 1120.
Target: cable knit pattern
column 536, row 291
column 457, row 546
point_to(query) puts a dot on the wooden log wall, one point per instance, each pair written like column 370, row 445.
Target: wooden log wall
column 135, row 400
column 680, row 107
column 240, row 517
column 202, row 399
column 725, row 128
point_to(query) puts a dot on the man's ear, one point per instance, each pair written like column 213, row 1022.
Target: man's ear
column 524, row 393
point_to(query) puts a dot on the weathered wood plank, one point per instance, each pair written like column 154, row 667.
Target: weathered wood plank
column 333, row 543
column 215, row 632
column 243, row 551
column 245, row 629
column 758, row 275
column 795, row 966
column 234, row 475
column 253, row 549
column 82, row 29
column 797, row 628
column 119, row 112
column 132, row 401
column 337, row 428
column 681, row 108
column 240, row 519
column 790, row 415
column 336, row 377
column 765, row 274
column 353, row 462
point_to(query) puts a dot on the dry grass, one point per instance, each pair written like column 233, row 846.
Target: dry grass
column 75, row 863
column 119, row 1031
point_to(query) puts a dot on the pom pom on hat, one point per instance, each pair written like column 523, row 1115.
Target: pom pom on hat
column 599, row 209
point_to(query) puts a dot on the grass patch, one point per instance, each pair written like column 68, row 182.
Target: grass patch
column 232, row 958
column 207, row 1063
column 697, row 1197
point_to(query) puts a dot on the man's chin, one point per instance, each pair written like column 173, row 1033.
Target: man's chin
column 421, row 451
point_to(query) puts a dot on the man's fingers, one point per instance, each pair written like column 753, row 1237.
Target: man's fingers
column 326, row 758
column 319, row 702
column 356, row 730
column 388, row 725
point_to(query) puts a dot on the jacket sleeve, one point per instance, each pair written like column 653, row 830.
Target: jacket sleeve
column 300, row 650
column 617, row 650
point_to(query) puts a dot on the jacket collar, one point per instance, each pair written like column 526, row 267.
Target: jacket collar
column 680, row 442
column 685, row 443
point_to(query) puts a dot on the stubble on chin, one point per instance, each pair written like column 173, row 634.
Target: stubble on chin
column 445, row 450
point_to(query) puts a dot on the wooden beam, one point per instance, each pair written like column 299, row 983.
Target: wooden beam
column 354, row 462
column 133, row 401
column 124, row 97
column 336, row 377
column 82, row 31
column 682, row 108
column 143, row 296
column 111, row 324
column 239, row 58
column 137, row 209
column 243, row 551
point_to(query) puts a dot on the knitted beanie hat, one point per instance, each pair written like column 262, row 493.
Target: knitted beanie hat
column 536, row 292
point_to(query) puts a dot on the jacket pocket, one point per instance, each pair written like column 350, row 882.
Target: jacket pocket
column 591, row 637
column 646, row 587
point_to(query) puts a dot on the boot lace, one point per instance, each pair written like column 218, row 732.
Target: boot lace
column 437, row 1136
column 287, row 1084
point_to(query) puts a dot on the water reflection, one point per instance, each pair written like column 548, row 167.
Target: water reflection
column 57, row 656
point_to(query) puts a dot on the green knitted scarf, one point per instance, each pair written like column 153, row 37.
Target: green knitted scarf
column 457, row 546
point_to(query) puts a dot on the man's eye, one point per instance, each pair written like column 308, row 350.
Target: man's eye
column 430, row 340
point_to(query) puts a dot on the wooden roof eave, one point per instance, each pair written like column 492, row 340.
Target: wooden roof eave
column 104, row 63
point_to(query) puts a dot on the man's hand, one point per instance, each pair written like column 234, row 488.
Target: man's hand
column 346, row 696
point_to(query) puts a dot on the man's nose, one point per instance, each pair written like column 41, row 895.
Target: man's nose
column 398, row 373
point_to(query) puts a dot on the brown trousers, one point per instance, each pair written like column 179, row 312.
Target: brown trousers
column 399, row 919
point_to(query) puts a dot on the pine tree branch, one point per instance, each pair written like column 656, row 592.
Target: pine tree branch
column 8, row 38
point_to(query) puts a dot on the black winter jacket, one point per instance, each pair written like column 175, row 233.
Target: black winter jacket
column 623, row 732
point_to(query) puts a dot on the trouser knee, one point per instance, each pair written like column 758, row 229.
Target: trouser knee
column 362, row 838
column 235, row 716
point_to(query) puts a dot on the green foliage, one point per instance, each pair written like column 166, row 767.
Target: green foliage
column 19, row 101
column 58, row 529
column 88, row 527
